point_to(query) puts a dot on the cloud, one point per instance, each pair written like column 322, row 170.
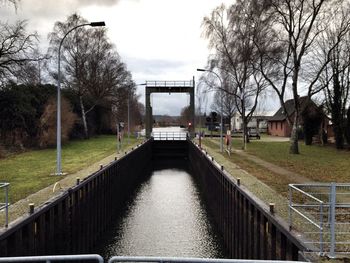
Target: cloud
column 169, row 104
column 99, row 3
column 50, row 9
column 152, row 66
column 157, row 39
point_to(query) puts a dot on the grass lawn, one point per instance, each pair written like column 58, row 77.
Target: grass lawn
column 279, row 183
column 319, row 163
column 31, row 171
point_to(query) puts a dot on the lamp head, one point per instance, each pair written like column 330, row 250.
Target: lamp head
column 200, row 69
column 96, row 24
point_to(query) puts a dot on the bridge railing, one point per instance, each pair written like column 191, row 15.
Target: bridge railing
column 170, row 136
column 157, row 83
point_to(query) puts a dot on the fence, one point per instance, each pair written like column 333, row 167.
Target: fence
column 98, row 258
column 4, row 205
column 170, row 136
column 186, row 260
column 177, row 83
column 49, row 259
column 322, row 212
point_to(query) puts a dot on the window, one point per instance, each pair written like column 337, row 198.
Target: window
column 276, row 124
column 281, row 125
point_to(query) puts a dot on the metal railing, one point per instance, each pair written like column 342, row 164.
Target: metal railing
column 49, row 259
column 98, row 258
column 170, row 136
column 157, row 83
column 4, row 205
column 322, row 212
column 187, row 260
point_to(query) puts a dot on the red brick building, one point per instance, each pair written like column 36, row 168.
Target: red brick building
column 278, row 125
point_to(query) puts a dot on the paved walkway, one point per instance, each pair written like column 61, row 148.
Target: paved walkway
column 297, row 178
column 274, row 168
column 259, row 188
column 21, row 207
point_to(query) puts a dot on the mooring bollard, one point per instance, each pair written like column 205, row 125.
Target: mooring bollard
column 238, row 181
column 101, row 166
column 115, row 158
column 222, row 167
column 31, row 208
column 78, row 180
column 212, row 159
column 272, row 208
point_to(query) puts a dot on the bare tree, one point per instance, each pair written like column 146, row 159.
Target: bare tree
column 121, row 95
column 12, row 2
column 201, row 100
column 228, row 101
column 92, row 66
column 16, row 47
column 185, row 116
column 334, row 46
column 294, row 27
column 75, row 49
column 30, row 72
column 231, row 34
column 137, row 110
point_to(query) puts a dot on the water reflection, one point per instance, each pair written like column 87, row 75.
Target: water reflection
column 166, row 217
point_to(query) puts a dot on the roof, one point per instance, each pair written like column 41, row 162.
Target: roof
column 280, row 115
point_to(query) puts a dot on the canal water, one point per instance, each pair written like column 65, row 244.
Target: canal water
column 166, row 216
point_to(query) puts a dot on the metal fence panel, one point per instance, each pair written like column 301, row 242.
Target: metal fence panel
column 322, row 212
column 4, row 204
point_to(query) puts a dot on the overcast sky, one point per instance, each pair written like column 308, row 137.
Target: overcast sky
column 157, row 39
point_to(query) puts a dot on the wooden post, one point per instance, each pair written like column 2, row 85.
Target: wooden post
column 31, row 208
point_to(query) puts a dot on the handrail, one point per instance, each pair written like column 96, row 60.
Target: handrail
column 99, row 259
column 186, row 260
column 49, row 259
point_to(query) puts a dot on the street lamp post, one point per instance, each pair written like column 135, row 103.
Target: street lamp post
column 221, row 108
column 59, row 160
column 141, row 84
column 128, row 116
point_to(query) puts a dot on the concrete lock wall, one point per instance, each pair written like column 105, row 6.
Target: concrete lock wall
column 73, row 222
column 248, row 228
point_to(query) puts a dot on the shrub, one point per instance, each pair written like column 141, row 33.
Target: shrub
column 20, row 109
column 2, row 151
column 47, row 124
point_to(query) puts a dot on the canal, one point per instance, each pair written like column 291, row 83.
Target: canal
column 165, row 216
